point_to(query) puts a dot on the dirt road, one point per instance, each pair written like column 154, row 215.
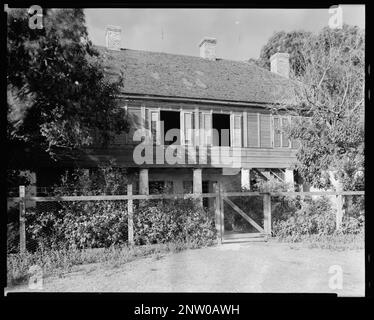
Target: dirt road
column 248, row 267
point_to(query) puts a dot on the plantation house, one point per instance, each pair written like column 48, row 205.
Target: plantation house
column 223, row 131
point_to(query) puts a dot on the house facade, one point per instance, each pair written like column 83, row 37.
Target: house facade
column 197, row 120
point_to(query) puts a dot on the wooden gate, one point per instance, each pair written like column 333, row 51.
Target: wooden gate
column 262, row 232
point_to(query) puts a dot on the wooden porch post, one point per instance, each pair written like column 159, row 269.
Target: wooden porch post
column 22, row 213
column 198, row 183
column 289, row 178
column 217, row 210
column 246, row 179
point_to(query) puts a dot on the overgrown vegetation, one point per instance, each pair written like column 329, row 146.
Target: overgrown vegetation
column 58, row 96
column 179, row 220
column 63, row 234
column 59, row 262
column 299, row 219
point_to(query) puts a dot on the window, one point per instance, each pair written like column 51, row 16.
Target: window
column 170, row 121
column 221, row 127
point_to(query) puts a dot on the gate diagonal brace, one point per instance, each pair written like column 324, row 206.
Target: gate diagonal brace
column 245, row 216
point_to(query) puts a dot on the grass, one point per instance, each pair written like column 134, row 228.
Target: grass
column 58, row 262
column 339, row 242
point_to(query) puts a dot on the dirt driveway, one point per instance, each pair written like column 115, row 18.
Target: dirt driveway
column 247, row 267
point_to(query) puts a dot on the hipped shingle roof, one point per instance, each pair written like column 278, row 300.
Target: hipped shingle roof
column 180, row 76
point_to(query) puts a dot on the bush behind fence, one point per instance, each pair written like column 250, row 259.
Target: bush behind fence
column 95, row 224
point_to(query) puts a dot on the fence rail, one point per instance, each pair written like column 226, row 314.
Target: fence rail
column 181, row 196
column 219, row 196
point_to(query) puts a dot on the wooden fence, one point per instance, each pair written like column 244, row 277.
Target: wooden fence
column 219, row 195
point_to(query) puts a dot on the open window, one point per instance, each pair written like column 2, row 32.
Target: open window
column 170, row 120
column 221, row 130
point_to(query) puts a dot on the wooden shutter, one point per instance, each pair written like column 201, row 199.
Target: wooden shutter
column 206, row 128
column 154, row 125
column 265, row 136
column 236, row 130
column 187, row 121
column 252, row 129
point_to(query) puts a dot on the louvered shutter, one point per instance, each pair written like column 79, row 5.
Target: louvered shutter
column 252, row 129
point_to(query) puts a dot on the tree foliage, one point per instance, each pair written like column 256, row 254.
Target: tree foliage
column 290, row 42
column 331, row 94
column 58, row 96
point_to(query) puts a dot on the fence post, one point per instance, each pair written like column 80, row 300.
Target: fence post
column 339, row 211
column 22, row 213
column 130, row 215
column 221, row 211
column 218, row 212
column 267, row 213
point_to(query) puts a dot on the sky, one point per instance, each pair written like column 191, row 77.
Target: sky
column 240, row 33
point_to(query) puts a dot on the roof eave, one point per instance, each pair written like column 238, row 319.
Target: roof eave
column 197, row 100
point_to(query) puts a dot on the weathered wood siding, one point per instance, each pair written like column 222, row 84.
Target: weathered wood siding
column 219, row 157
column 262, row 146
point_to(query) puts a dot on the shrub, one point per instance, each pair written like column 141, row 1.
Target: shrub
column 96, row 224
column 314, row 217
column 179, row 220
column 353, row 225
column 79, row 225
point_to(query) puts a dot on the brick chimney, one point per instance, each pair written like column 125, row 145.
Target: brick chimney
column 208, row 48
column 280, row 63
column 113, row 37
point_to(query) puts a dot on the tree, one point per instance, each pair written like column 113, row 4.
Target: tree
column 290, row 42
column 58, row 96
column 331, row 94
